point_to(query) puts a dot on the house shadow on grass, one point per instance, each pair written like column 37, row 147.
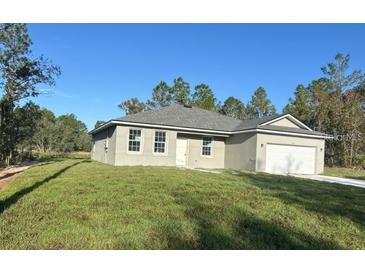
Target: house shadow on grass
column 10, row 174
column 48, row 161
column 320, row 197
column 244, row 231
column 8, row 202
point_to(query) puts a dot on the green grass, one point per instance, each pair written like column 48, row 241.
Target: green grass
column 81, row 204
column 344, row 172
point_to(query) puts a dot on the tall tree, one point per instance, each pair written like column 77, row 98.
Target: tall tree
column 99, row 123
column 233, row 107
column 70, row 134
column 338, row 76
column 180, row 91
column 161, row 96
column 26, row 119
column 353, row 123
column 45, row 131
column 204, row 98
column 260, row 105
column 338, row 109
column 132, row 106
column 301, row 106
column 20, row 74
column 334, row 104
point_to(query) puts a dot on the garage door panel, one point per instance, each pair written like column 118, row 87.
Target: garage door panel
column 283, row 159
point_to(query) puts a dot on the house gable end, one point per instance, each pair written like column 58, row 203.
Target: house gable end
column 291, row 119
column 284, row 122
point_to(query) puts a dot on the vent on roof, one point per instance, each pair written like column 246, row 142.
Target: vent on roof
column 187, row 106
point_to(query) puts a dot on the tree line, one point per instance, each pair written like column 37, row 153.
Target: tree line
column 333, row 104
column 38, row 129
column 202, row 96
column 28, row 127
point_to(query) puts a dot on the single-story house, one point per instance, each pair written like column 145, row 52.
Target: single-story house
column 186, row 136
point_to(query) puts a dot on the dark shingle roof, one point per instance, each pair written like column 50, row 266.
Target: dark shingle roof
column 196, row 118
column 181, row 116
column 253, row 123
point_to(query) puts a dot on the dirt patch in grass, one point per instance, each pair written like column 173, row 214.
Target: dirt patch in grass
column 8, row 174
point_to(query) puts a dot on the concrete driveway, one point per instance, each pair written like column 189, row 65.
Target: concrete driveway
column 335, row 180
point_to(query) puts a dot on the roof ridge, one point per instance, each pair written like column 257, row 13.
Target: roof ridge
column 217, row 113
column 202, row 109
column 143, row 111
column 182, row 106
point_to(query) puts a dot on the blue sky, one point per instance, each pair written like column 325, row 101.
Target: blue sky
column 103, row 64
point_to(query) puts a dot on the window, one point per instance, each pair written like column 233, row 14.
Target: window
column 160, row 142
column 207, row 146
column 134, row 143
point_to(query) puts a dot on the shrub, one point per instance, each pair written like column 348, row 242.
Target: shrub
column 46, row 156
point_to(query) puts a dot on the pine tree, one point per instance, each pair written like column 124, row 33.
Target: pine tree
column 233, row 107
column 204, row 98
column 260, row 105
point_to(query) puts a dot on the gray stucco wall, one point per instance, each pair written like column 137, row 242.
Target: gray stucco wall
column 97, row 151
column 104, row 146
column 240, row 152
column 146, row 156
column 264, row 139
column 118, row 154
column 195, row 159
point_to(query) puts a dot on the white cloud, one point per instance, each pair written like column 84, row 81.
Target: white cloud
column 58, row 93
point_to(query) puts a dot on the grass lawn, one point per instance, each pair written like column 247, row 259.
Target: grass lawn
column 81, row 204
column 345, row 172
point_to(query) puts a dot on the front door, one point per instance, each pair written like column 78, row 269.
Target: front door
column 181, row 150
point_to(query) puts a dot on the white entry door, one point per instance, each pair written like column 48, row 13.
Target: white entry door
column 283, row 159
column 181, row 150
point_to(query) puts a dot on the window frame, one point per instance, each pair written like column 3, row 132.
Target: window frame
column 211, row 147
column 141, row 141
column 166, row 144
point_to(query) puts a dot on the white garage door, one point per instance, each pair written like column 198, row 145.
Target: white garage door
column 281, row 159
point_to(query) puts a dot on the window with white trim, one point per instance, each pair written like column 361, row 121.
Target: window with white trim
column 160, row 142
column 207, row 146
column 134, row 143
